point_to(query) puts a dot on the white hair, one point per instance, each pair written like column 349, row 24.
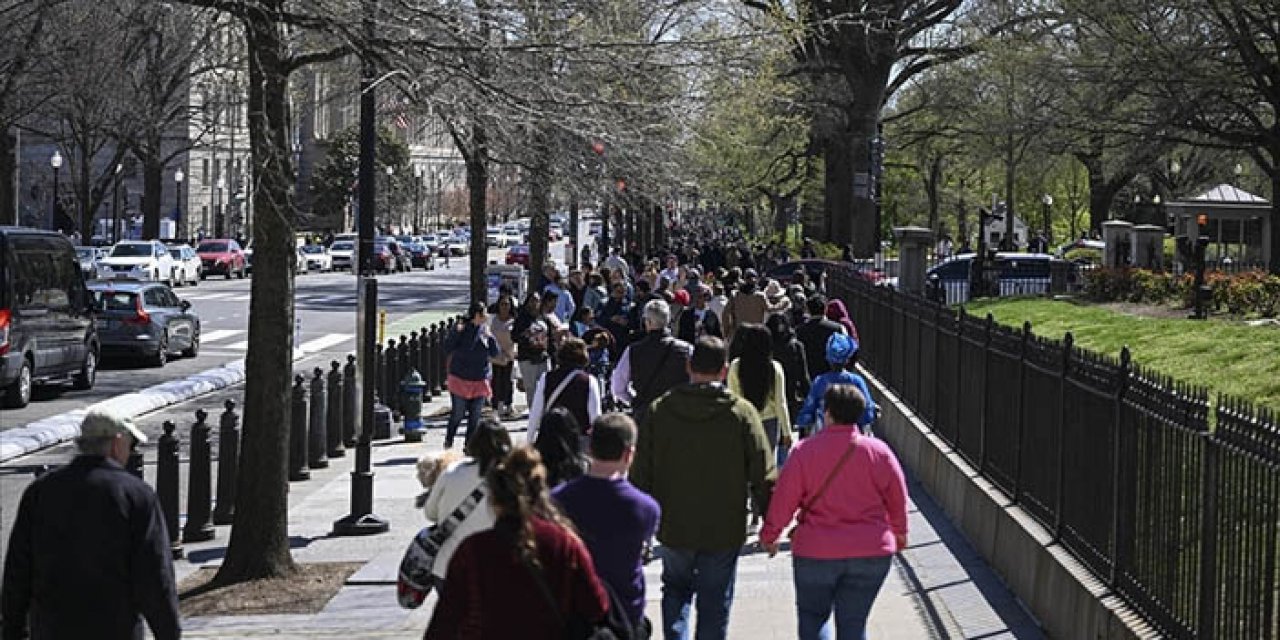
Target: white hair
column 657, row 313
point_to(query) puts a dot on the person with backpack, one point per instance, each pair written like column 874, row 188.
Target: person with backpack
column 652, row 365
column 568, row 385
column 559, row 442
column 841, row 356
column 848, row 494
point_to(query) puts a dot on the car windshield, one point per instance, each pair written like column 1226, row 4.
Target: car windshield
column 177, row 253
column 115, row 300
column 85, row 254
column 212, row 247
column 341, row 246
column 312, row 248
column 131, row 250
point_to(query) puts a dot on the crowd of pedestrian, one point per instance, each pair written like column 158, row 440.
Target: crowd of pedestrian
column 682, row 397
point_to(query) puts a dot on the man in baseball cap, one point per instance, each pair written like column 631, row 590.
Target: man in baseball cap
column 89, row 554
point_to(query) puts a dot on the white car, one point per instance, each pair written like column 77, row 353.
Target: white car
column 458, row 245
column 189, row 265
column 557, row 231
column 318, row 257
column 140, row 260
column 342, row 254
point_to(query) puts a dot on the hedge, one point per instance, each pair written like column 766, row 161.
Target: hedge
column 1249, row 293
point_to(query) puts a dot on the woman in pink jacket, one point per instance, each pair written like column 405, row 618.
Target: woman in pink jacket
column 849, row 496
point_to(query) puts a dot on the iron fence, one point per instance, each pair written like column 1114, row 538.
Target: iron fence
column 1178, row 516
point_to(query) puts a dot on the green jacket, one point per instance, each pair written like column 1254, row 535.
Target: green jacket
column 698, row 451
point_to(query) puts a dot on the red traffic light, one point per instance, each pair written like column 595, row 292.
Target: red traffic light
column 598, row 147
column 622, row 185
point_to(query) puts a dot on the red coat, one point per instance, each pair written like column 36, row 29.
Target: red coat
column 490, row 593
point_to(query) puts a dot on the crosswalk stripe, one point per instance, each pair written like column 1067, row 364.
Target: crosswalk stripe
column 219, row 335
column 324, row 342
column 238, row 346
column 401, row 303
column 244, row 298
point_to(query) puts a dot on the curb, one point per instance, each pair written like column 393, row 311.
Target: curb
column 53, row 430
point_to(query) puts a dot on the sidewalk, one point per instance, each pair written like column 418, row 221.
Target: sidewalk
column 938, row 588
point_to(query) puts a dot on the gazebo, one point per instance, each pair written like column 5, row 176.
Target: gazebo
column 1238, row 225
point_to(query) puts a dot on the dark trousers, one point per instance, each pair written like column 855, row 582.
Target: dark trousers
column 462, row 407
column 503, row 384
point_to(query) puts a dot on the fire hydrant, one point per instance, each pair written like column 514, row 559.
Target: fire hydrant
column 411, row 388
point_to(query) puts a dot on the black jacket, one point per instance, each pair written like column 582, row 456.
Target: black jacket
column 795, row 368
column 658, row 363
column 89, row 552
column 687, row 329
column 813, row 333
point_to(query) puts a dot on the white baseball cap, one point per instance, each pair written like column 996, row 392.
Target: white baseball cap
column 100, row 423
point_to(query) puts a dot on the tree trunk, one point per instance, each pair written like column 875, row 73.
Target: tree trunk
column 259, row 545
column 9, row 177
column 477, row 190
column 837, row 201
column 152, row 183
column 1101, row 196
column 1010, row 215
column 539, row 220
column 1274, row 262
column 931, row 185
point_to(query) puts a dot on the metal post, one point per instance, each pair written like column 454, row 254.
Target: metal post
column 317, row 440
column 350, row 403
column 228, row 464
column 361, row 520
column 391, row 398
column 336, row 413
column 1058, row 501
column 298, row 432
column 199, row 498
column 1119, row 519
column 167, row 486
column 1209, row 583
column 53, row 206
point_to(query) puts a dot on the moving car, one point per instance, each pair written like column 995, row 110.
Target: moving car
column 88, row 257
column 383, row 260
column 140, row 260
column 47, row 332
column 519, row 254
column 342, row 254
column 144, row 319
column 458, row 245
column 317, row 257
column 493, row 237
column 190, row 267
column 222, row 257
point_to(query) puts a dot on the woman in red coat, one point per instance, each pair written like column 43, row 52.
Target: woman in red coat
column 492, row 587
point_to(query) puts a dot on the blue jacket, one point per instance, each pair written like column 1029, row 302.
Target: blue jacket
column 812, row 411
column 469, row 352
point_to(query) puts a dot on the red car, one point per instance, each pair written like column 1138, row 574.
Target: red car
column 519, row 254
column 222, row 257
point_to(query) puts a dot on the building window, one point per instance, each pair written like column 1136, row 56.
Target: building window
column 204, row 171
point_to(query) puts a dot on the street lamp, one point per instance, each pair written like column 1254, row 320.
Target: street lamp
column 178, row 177
column 391, row 171
column 218, row 219
column 1047, row 201
column 115, row 207
column 56, row 163
column 417, row 198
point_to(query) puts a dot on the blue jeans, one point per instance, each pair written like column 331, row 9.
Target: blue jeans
column 471, row 408
column 707, row 574
column 848, row 585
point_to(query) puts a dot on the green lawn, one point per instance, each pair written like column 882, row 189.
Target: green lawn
column 1227, row 357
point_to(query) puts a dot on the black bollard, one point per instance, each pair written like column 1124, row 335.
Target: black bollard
column 415, row 353
column 167, row 485
column 333, row 428
column 392, row 396
column 199, row 480
column 317, row 441
column 438, row 358
column 351, row 402
column 298, row 432
column 424, row 363
column 224, row 509
column 379, row 364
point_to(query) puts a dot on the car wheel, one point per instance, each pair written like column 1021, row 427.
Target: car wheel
column 161, row 356
column 84, row 380
column 171, row 281
column 203, row 275
column 195, row 282
column 18, row 395
column 193, row 350
column 240, row 273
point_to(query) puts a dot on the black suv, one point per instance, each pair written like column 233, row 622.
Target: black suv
column 47, row 332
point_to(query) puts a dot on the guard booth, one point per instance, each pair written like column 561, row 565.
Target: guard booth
column 1237, row 223
column 513, row 275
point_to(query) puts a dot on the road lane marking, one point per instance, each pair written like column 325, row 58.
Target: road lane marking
column 210, row 296
column 324, row 342
column 219, row 334
column 238, row 346
column 244, row 298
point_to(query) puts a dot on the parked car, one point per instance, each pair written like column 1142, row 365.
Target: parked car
column 140, row 260
column 557, row 231
column 383, row 260
column 144, row 319
column 87, row 257
column 300, row 264
column 519, row 254
column 317, row 257
column 403, row 261
column 493, row 237
column 342, row 254
column 47, row 334
column 1015, row 274
column 459, row 245
column 190, row 267
column 593, row 227
column 222, row 257
column 420, row 254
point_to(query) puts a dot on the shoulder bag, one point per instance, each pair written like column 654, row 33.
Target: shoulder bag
column 414, row 580
column 555, row 395
column 806, row 506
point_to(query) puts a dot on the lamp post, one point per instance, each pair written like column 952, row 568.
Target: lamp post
column 391, row 171
column 439, row 192
column 115, row 207
column 1047, row 201
column 417, row 198
column 56, row 163
column 218, row 219
column 178, row 177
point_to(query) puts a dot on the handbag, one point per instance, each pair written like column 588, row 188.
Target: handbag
column 806, row 506
column 614, row 626
column 414, row 580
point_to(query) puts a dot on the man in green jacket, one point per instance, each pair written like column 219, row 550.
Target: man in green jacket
column 699, row 451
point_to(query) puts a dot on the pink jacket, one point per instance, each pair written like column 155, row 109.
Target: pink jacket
column 860, row 511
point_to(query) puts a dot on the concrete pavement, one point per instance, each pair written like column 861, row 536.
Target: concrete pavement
column 937, row 589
